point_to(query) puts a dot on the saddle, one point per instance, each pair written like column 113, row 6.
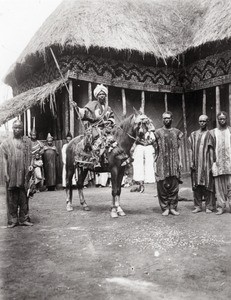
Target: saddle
column 93, row 150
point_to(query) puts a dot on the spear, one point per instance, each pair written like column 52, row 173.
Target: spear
column 64, row 82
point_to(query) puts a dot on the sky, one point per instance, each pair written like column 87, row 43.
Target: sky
column 19, row 20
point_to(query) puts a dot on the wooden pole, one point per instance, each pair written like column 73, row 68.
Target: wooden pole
column 142, row 101
column 28, row 112
column 230, row 103
column 204, row 103
column 124, row 103
column 166, row 101
column 218, row 105
column 66, row 114
column 186, row 156
column 72, row 116
column 24, row 123
column 89, row 91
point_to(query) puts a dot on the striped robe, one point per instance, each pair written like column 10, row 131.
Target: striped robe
column 200, row 142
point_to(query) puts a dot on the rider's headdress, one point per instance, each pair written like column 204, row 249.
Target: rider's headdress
column 100, row 88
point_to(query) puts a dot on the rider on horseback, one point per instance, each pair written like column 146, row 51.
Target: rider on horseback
column 99, row 122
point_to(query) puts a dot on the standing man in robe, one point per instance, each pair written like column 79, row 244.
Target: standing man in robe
column 168, row 165
column 222, row 165
column 50, row 163
column 16, row 164
column 143, row 164
column 201, row 157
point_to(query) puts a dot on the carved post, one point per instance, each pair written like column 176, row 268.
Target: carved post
column 186, row 156
column 72, row 116
column 166, row 101
column 204, row 103
column 142, row 102
column 124, row 103
column 218, row 106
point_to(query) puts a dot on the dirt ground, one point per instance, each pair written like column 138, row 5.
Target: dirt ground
column 88, row 255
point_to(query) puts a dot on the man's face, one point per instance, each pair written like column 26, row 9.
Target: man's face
column 101, row 97
column 33, row 136
column 17, row 131
column 203, row 122
column 49, row 142
column 222, row 120
column 167, row 120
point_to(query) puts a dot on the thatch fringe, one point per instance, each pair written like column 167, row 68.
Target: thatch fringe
column 17, row 105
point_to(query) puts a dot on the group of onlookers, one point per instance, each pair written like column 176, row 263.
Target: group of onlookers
column 210, row 158
column 211, row 165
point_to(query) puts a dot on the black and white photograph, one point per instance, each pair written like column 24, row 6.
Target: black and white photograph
column 115, row 149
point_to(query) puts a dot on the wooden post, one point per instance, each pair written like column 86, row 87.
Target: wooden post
column 218, row 105
column 166, row 101
column 24, row 123
column 89, row 91
column 28, row 112
column 204, row 103
column 186, row 156
column 230, row 103
column 72, row 116
column 142, row 102
column 124, row 103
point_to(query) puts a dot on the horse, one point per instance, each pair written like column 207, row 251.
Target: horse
column 125, row 134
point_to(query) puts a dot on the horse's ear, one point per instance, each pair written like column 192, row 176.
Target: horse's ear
column 137, row 112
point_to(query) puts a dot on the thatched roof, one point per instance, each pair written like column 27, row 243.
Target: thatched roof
column 17, row 105
column 162, row 28
column 216, row 23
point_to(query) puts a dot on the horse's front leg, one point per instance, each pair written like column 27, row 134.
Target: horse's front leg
column 82, row 173
column 119, row 210
column 114, row 174
column 117, row 174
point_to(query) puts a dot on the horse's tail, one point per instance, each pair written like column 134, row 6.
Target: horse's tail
column 71, row 150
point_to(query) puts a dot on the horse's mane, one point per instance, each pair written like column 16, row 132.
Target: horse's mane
column 124, row 124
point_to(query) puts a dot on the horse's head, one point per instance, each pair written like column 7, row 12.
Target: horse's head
column 142, row 125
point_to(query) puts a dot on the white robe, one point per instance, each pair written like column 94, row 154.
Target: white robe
column 143, row 164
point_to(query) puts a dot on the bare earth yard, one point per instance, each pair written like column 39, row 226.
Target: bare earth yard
column 88, row 255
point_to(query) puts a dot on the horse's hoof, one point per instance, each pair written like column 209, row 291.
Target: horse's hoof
column 114, row 213
column 86, row 208
column 141, row 189
column 120, row 212
column 69, row 207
